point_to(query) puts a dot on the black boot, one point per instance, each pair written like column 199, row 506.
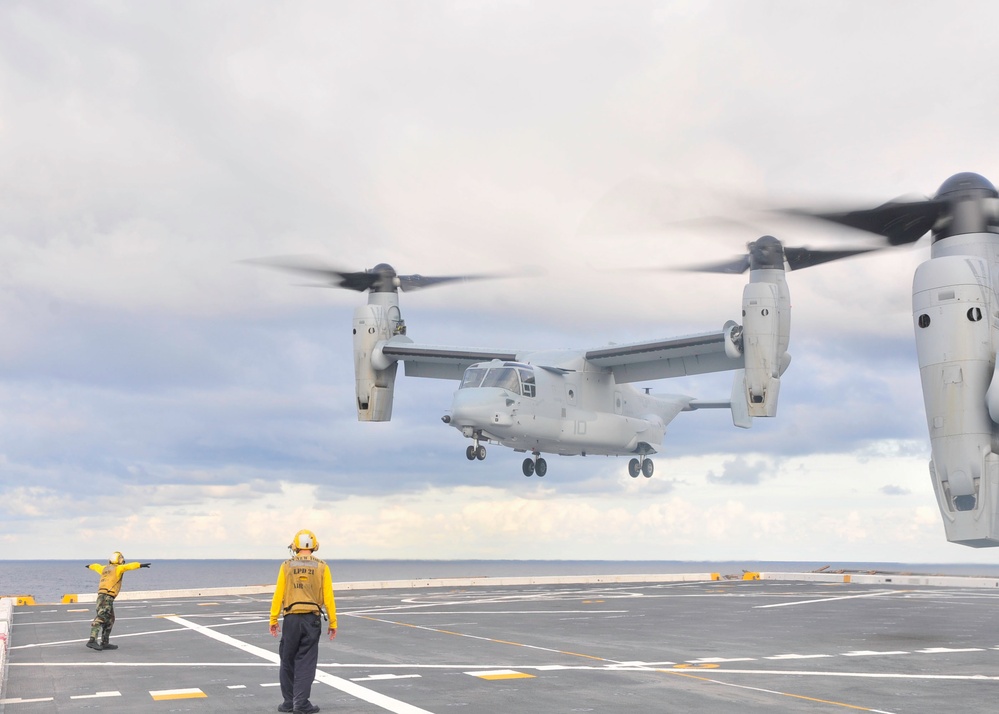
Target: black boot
column 94, row 644
column 105, row 645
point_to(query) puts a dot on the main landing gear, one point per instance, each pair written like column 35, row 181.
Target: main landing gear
column 537, row 465
column 643, row 466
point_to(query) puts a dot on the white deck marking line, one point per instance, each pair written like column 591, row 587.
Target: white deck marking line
column 344, row 685
column 382, row 677
column 831, row 599
column 860, row 675
column 98, row 663
column 484, row 612
column 97, row 695
column 84, row 639
column 133, row 634
column 18, row 700
column 797, row 656
column 948, row 650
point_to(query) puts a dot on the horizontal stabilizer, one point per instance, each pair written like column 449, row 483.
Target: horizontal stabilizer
column 738, row 403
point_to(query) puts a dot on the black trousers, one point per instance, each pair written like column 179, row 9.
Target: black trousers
column 299, row 651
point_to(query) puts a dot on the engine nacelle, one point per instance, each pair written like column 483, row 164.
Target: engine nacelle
column 374, row 375
column 952, row 315
column 761, row 346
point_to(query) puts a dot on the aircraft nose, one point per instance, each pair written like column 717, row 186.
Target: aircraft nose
column 481, row 408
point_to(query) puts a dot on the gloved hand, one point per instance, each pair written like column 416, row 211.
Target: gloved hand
column 332, row 633
column 275, row 630
column 144, row 565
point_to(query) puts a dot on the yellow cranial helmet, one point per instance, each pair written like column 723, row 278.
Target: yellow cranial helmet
column 305, row 540
column 116, row 558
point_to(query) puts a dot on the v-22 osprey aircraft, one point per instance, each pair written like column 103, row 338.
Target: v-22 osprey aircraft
column 572, row 402
column 955, row 312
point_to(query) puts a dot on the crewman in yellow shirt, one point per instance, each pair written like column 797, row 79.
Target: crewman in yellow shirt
column 107, row 591
column 304, row 588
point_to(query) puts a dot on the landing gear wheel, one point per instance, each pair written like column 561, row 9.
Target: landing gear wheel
column 470, row 453
column 647, row 468
column 529, row 467
column 634, row 467
column 480, row 452
column 541, row 467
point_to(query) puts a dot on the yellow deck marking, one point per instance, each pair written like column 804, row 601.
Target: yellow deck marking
column 162, row 695
column 699, row 665
column 577, row 654
column 484, row 639
column 496, row 674
column 774, row 691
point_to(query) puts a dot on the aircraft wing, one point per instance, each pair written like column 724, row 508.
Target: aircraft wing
column 439, row 362
column 634, row 362
column 672, row 357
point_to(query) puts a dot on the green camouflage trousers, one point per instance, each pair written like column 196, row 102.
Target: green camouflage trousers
column 105, row 618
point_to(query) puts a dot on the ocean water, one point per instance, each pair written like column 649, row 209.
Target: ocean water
column 48, row 580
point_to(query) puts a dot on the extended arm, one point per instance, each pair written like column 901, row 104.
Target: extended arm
column 328, row 601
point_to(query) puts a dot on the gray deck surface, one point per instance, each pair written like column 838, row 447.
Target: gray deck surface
column 727, row 646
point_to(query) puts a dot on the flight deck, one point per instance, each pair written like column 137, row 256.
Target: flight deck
column 677, row 643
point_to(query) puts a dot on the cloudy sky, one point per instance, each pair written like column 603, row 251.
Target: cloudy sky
column 159, row 396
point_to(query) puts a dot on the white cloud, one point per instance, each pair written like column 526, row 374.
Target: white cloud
column 150, row 380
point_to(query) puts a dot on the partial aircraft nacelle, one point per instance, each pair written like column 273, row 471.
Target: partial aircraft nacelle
column 950, row 305
column 374, row 375
column 765, row 338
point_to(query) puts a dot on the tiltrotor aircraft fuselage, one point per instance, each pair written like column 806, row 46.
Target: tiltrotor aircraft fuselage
column 575, row 402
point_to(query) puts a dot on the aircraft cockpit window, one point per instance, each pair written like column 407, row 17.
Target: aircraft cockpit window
column 504, row 378
column 473, row 377
column 527, row 382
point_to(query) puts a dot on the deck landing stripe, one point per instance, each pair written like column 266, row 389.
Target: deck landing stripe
column 344, row 685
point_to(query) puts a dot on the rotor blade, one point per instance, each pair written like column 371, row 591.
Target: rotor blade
column 898, row 221
column 382, row 277
column 308, row 265
column 798, row 258
column 731, row 267
column 418, row 282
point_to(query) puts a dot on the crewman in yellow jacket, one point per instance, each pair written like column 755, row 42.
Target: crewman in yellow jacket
column 107, row 591
column 304, row 588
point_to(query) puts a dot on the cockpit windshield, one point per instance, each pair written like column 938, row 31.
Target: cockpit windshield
column 517, row 379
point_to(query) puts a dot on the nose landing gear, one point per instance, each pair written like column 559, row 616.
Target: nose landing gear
column 642, row 466
column 476, row 450
column 536, row 465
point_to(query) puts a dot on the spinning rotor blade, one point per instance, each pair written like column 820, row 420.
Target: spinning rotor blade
column 965, row 203
column 731, row 267
column 381, row 278
column 899, row 221
column 767, row 252
column 798, row 258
